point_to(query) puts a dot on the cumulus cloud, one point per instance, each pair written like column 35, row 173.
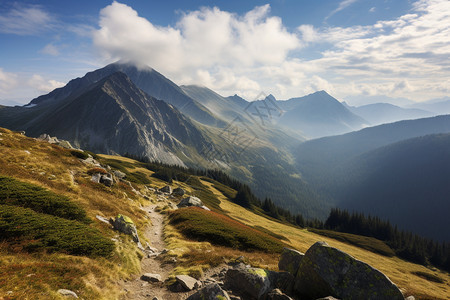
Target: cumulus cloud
column 254, row 52
column 209, row 39
column 8, row 81
column 42, row 85
column 25, row 20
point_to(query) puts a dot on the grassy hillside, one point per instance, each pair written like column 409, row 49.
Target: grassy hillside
column 199, row 239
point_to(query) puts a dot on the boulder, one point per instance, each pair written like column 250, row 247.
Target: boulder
column 65, row 144
column 277, row 294
column 96, row 178
column 106, row 180
column 179, row 192
column 190, row 201
column 149, row 277
column 250, row 283
column 290, row 260
column 326, row 271
column 328, row 298
column 125, row 225
column 210, row 292
column 167, row 189
column 48, row 138
column 187, row 282
column 119, row 174
column 68, row 293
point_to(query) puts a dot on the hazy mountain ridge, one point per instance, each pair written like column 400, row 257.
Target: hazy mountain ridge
column 382, row 113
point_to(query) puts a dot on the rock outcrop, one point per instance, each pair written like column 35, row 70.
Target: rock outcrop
column 327, row 271
column 125, row 225
column 290, row 260
column 192, row 201
column 210, row 292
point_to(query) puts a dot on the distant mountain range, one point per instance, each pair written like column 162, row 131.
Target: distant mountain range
column 393, row 171
column 128, row 109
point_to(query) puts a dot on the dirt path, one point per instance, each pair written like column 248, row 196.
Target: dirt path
column 139, row 289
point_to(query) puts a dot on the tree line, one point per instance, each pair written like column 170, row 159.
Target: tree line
column 406, row 245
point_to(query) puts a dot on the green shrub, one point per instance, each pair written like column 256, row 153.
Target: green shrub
column 428, row 276
column 15, row 192
column 203, row 225
column 36, row 231
column 138, row 177
column 368, row 243
column 79, row 154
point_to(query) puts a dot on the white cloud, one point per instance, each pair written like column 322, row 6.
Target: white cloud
column 8, row 81
column 342, row 5
column 50, row 49
column 25, row 20
column 254, row 52
column 373, row 9
column 42, row 85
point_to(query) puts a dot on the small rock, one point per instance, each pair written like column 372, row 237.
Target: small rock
column 188, row 282
column 96, row 178
column 210, row 292
column 190, row 201
column 106, row 180
column 102, row 219
column 119, row 174
column 179, row 192
column 410, row 298
column 149, row 277
column 276, row 294
column 328, row 298
column 67, row 293
column 167, row 189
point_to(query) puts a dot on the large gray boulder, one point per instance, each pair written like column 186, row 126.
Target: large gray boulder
column 125, row 225
column 187, row 282
column 290, row 260
column 210, row 292
column 326, row 271
column 190, row 201
column 250, row 283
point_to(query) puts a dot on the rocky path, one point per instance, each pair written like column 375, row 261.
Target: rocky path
column 137, row 288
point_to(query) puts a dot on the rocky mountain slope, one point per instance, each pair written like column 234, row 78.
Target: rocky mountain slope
column 175, row 241
column 111, row 116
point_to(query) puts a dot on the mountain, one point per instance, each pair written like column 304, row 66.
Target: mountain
column 364, row 100
column 145, row 78
column 405, row 182
column 318, row 115
column 438, row 106
column 241, row 102
column 362, row 169
column 111, row 116
column 381, row 113
column 225, row 108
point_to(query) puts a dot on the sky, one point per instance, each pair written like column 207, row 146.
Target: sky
column 353, row 49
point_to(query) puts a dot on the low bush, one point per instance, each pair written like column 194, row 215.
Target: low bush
column 428, row 276
column 15, row 192
column 203, row 225
column 32, row 231
column 97, row 171
column 368, row 243
column 79, row 154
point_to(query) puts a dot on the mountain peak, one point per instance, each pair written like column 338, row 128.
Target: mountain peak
column 271, row 97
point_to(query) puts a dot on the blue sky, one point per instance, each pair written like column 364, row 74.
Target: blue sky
column 353, row 49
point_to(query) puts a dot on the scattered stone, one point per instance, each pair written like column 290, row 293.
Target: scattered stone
column 325, row 271
column 67, row 293
column 102, row 219
column 210, row 292
column 290, row 260
column 149, row 277
column 410, row 298
column 119, row 174
column 47, row 138
column 179, row 192
column 328, row 298
column 252, row 283
column 167, row 189
column 125, row 225
column 190, row 201
column 96, row 177
column 106, row 180
column 277, row 294
column 187, row 282
column 65, row 144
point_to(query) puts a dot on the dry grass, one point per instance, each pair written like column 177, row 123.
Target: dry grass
column 398, row 270
column 40, row 276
